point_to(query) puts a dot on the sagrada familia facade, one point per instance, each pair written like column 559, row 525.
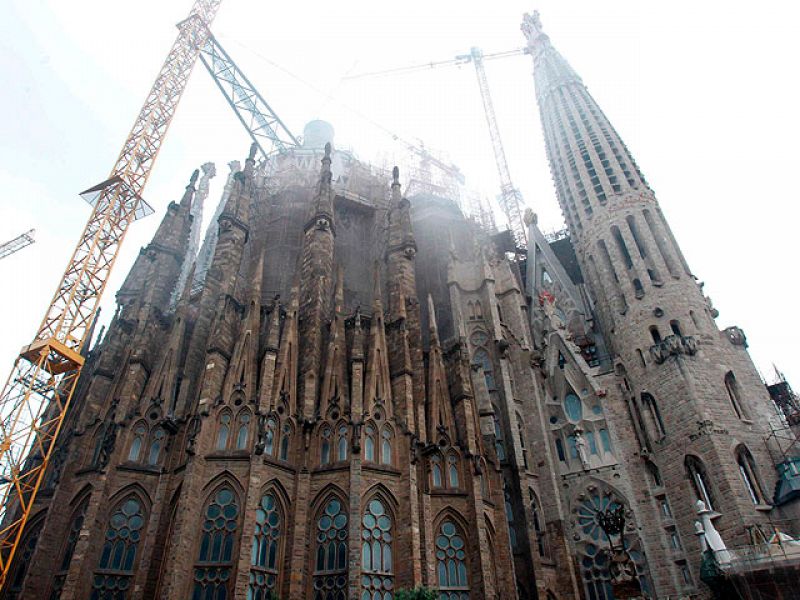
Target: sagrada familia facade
column 348, row 392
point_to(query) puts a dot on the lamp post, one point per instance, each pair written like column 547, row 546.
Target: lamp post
column 624, row 581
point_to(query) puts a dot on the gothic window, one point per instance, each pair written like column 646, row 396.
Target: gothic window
column 655, row 474
column 156, row 445
column 386, row 445
column 481, row 357
column 452, row 471
column 325, row 446
column 214, row 566
column 696, row 473
column 732, row 387
column 330, row 566
column 369, row 443
column 112, row 579
column 512, row 532
column 377, row 565
column 623, row 249
column 573, row 407
column 341, row 443
column 69, row 548
column 269, row 437
column 605, row 440
column 541, row 540
column 242, row 429
column 560, row 450
column 436, row 471
column 224, row 430
column 676, row 328
column 747, row 470
column 451, row 567
column 572, row 443
column 498, row 436
column 23, row 560
column 139, row 433
column 589, row 435
column 265, row 553
column 286, row 438
column 521, row 431
column 656, row 335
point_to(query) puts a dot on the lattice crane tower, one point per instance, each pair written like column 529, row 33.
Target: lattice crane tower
column 38, row 391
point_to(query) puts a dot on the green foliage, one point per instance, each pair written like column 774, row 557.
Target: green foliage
column 418, row 593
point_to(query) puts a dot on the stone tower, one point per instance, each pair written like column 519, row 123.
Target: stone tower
column 690, row 411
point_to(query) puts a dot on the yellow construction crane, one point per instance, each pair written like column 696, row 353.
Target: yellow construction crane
column 38, row 391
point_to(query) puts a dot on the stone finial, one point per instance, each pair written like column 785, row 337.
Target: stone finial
column 710, row 533
column 328, row 150
column 532, row 26
column 209, row 169
column 253, row 150
column 395, row 176
column 432, row 320
column 193, row 178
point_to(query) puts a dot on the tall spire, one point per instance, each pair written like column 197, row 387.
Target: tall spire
column 322, row 217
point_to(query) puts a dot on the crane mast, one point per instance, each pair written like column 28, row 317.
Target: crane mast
column 510, row 198
column 39, row 389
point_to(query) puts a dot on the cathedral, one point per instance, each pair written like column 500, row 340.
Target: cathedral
column 351, row 391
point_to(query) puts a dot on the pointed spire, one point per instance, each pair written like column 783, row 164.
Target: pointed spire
column 249, row 164
column 432, row 321
column 377, row 300
column 322, row 217
column 338, row 296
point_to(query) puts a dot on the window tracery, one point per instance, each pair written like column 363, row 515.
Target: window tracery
column 214, row 566
column 377, row 566
column 112, row 579
column 330, row 565
column 451, row 567
column 265, row 554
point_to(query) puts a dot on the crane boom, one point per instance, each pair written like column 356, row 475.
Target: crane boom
column 39, row 389
column 510, row 198
column 18, row 243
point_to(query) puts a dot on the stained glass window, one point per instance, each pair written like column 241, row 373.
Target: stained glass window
column 330, row 565
column 436, row 470
column 265, row 553
column 224, row 431
column 386, row 446
column 69, row 548
column 243, row 430
column 341, row 445
column 369, row 443
column 573, row 407
column 377, row 567
column 452, row 471
column 286, row 438
column 139, row 433
column 112, row 579
column 325, row 447
column 451, row 568
column 212, row 572
column 156, row 443
column 23, row 559
column 269, row 442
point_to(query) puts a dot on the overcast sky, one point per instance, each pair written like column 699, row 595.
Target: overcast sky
column 703, row 93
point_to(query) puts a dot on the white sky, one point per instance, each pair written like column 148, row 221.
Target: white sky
column 703, row 93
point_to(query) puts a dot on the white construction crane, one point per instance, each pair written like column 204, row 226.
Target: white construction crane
column 510, row 198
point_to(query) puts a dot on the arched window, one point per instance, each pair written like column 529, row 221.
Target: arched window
column 560, row 450
column 696, row 473
column 386, row 445
column 655, row 474
column 481, row 357
column 573, row 407
column 499, row 447
column 605, row 440
column 451, row 566
column 436, row 471
column 22, row 560
column 330, row 566
column 269, row 437
column 69, row 548
column 369, row 443
column 156, row 445
column 747, row 469
column 732, row 387
column 242, row 430
column 112, row 579
column 377, row 563
column 325, row 446
column 214, row 566
column 521, row 431
column 452, row 471
column 139, row 433
column 341, row 443
column 265, row 557
column 541, row 540
column 286, row 438
column 512, row 531
column 224, row 430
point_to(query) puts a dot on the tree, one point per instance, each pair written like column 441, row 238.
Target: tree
column 418, row 593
